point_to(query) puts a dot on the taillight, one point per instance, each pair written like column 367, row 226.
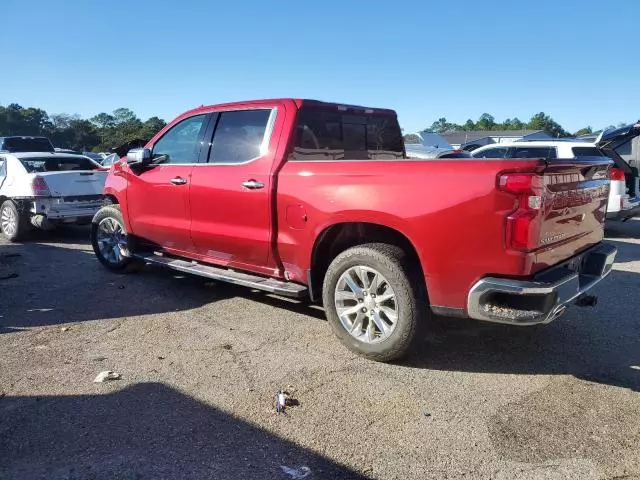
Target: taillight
column 616, row 174
column 523, row 224
column 40, row 187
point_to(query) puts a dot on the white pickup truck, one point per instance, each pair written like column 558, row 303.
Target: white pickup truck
column 43, row 189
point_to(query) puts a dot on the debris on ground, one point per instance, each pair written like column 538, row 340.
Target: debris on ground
column 160, row 357
column 426, row 414
column 296, row 473
column 106, row 375
column 283, row 400
column 65, row 329
column 227, row 346
column 98, row 358
column 40, row 310
column 11, row 275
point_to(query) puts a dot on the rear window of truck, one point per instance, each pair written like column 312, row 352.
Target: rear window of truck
column 330, row 134
column 57, row 164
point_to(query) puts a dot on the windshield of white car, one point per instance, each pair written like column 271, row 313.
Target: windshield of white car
column 57, row 164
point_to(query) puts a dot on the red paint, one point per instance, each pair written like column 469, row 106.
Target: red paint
column 452, row 211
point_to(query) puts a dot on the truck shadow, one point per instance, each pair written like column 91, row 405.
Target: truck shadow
column 600, row 345
column 45, row 284
column 147, row 430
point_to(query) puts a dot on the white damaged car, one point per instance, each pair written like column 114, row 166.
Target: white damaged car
column 44, row 189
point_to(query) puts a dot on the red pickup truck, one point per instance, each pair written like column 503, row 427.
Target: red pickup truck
column 309, row 199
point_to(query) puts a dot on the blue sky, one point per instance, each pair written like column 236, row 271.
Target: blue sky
column 576, row 61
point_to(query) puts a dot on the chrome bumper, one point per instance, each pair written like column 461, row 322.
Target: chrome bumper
column 66, row 207
column 546, row 297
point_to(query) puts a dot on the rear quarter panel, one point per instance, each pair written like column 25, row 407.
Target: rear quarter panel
column 450, row 210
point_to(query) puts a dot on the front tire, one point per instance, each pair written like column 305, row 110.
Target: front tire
column 14, row 224
column 110, row 241
column 375, row 301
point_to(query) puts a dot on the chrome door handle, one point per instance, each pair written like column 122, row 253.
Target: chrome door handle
column 252, row 184
column 178, row 181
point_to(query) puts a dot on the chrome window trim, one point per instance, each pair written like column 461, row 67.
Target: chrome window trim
column 264, row 145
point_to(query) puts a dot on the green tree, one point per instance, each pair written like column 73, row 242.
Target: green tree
column 150, row 127
column 583, row 131
column 469, row 125
column 442, row 126
column 104, row 120
column 486, row 122
column 542, row 121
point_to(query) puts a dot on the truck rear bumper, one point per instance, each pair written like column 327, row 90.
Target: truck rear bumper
column 546, row 297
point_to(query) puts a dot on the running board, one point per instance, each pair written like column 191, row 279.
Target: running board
column 267, row 284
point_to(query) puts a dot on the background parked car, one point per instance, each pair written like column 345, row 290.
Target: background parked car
column 110, row 160
column 94, row 156
column 624, row 193
column 25, row 144
column 43, row 189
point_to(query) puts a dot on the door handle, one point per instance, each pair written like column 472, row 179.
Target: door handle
column 252, row 184
column 178, row 181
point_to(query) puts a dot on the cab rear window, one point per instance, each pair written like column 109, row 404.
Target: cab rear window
column 57, row 164
column 330, row 134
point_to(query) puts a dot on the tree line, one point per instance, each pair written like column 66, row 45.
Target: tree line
column 539, row 121
column 99, row 133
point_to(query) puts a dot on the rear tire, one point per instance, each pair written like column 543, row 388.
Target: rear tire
column 14, row 224
column 381, row 320
column 110, row 241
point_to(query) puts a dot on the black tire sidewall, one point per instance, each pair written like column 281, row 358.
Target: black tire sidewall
column 109, row 211
column 399, row 343
column 20, row 229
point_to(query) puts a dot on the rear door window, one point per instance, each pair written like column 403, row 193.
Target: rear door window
column 533, row 152
column 325, row 133
column 240, row 136
column 586, row 152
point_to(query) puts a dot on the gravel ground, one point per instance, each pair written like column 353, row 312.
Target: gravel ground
column 200, row 363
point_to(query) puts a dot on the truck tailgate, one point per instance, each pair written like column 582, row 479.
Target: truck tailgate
column 574, row 203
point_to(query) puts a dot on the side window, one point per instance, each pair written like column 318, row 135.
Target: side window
column 534, row 152
column 586, row 152
column 239, row 135
column 181, row 144
column 625, row 150
column 492, row 153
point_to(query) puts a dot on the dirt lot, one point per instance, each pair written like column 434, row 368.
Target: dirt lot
column 200, row 364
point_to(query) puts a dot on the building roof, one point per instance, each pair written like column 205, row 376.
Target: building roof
column 460, row 138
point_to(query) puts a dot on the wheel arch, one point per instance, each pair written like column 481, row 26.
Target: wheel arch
column 337, row 238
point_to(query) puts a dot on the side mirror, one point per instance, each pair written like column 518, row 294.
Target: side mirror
column 139, row 156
